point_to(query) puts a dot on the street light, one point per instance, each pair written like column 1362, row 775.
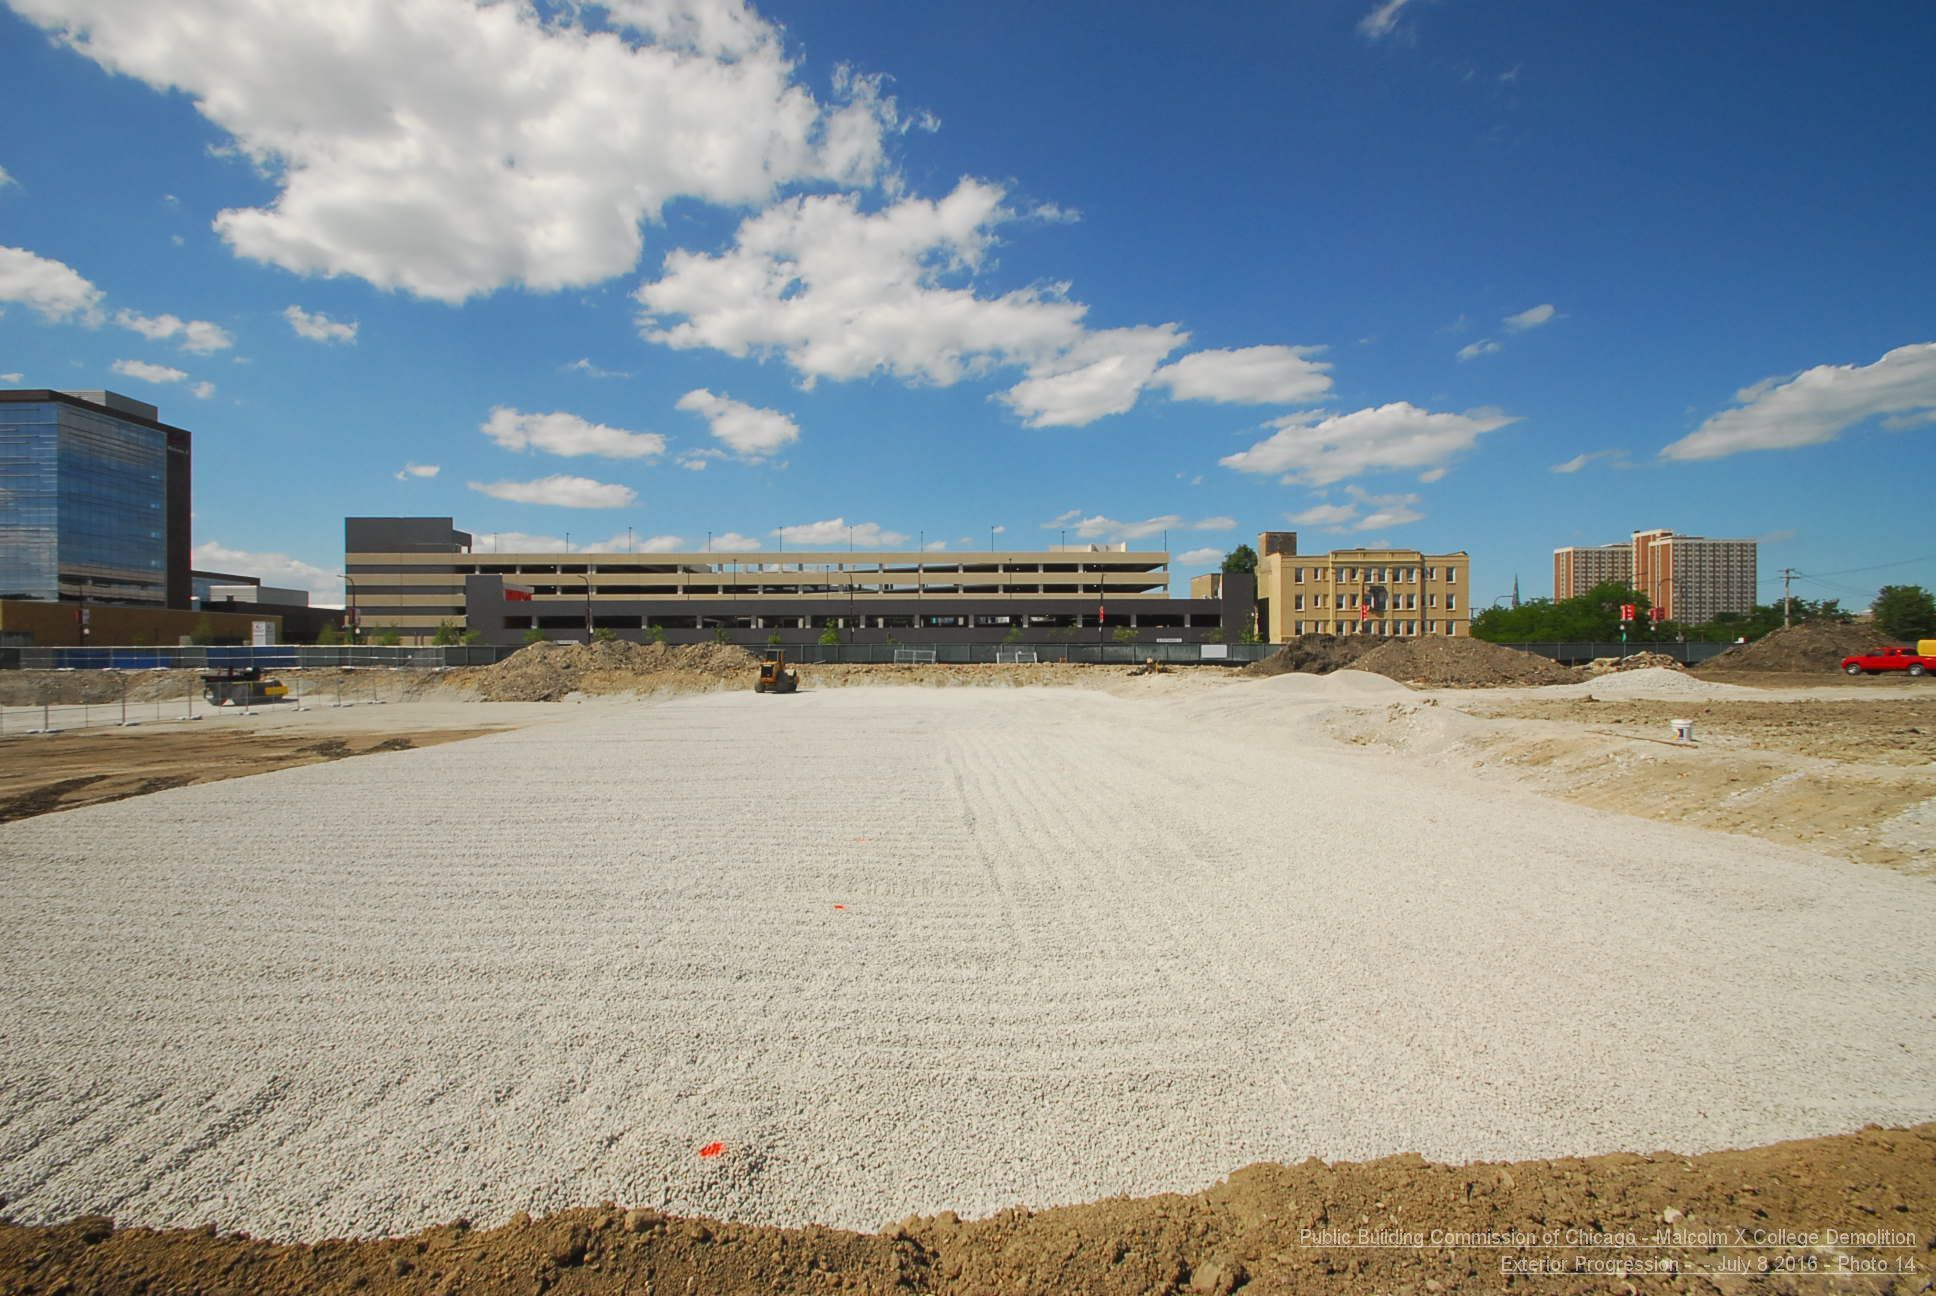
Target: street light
column 352, row 589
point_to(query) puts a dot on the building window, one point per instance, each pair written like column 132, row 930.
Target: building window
column 1297, row 603
column 1297, row 575
column 1451, row 602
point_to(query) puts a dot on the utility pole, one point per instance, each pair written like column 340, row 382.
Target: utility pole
column 1787, row 574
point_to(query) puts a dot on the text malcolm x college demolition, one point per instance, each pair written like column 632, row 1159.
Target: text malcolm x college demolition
column 1706, row 1238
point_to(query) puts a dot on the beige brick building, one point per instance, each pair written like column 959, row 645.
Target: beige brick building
column 1404, row 592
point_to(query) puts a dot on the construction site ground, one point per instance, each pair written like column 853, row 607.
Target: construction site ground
column 1108, row 955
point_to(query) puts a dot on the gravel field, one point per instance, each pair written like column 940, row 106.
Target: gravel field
column 903, row 950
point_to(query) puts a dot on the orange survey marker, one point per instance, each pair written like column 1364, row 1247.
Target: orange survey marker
column 711, row 1150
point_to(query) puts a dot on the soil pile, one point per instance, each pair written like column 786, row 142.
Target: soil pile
column 546, row 672
column 1316, row 654
column 1461, row 663
column 1638, row 661
column 1802, row 649
column 1267, row 1228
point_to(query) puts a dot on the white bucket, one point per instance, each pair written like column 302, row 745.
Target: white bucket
column 1683, row 730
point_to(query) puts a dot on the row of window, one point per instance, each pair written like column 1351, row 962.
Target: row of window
column 1399, row 628
column 1373, row 575
column 1398, row 602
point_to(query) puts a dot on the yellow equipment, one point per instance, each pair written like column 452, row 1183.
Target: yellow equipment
column 774, row 675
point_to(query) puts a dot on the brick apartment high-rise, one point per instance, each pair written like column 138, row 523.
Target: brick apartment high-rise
column 1688, row 578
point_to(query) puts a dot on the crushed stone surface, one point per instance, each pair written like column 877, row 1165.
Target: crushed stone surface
column 903, row 950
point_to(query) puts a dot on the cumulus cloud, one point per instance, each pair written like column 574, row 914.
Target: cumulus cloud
column 1194, row 557
column 559, row 491
column 734, row 542
column 1365, row 512
column 318, row 327
column 567, row 435
column 450, row 147
column 410, row 470
column 203, row 390
column 197, row 336
column 5, row 179
column 584, row 366
column 1382, row 20
column 146, row 372
column 1473, row 350
column 834, row 533
column 841, row 293
column 56, row 291
column 1530, row 318
column 1319, row 449
column 274, row 569
column 1817, row 405
column 13, row 377
column 1259, row 375
column 1580, row 461
column 752, row 433
column 1099, row 527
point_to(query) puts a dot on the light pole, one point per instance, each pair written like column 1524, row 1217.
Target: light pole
column 351, row 586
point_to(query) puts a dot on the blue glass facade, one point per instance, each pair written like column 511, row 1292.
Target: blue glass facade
column 85, row 504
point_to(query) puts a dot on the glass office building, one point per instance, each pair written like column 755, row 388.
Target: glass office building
column 93, row 500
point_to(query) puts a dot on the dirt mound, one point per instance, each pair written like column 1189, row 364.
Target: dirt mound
column 1638, row 661
column 1802, row 649
column 1343, row 1228
column 1316, row 654
column 546, row 672
column 1461, row 663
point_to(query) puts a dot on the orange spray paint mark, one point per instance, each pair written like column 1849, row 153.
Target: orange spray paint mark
column 840, row 906
column 711, row 1150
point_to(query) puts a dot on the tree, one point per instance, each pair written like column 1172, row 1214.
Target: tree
column 204, row 632
column 446, row 635
column 604, row 634
column 1241, row 559
column 329, row 635
column 1905, row 612
column 471, row 636
column 534, row 636
column 1125, row 634
column 656, row 633
column 830, row 634
column 389, row 636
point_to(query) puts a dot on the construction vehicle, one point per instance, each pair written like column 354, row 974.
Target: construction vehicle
column 242, row 686
column 774, row 675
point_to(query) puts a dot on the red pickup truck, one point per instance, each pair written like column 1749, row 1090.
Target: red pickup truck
column 1892, row 659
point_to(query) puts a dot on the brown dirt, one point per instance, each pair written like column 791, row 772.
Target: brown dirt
column 1316, row 654
column 1635, row 661
column 1815, row 647
column 1461, row 663
column 1853, row 1215
column 546, row 672
column 1873, row 733
column 61, row 771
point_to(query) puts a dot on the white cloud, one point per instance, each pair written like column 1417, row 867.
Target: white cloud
column 752, row 433
column 447, row 148
column 1319, row 449
column 203, row 390
column 839, row 293
column 1431, row 475
column 5, row 179
column 1580, row 461
column 410, row 470
column 56, row 291
column 1099, row 527
column 1193, row 557
column 584, row 366
column 1100, row 375
column 1365, row 512
column 318, row 327
column 146, row 372
column 1816, row 405
column 13, row 377
column 1530, row 318
column 567, row 435
column 1325, row 515
column 834, row 533
column 698, row 460
column 197, row 336
column 1381, row 21
column 1259, row 375
column 560, row 491
column 1473, row 350
column 278, row 570
column 734, row 542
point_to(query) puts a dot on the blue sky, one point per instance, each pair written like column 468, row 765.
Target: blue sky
column 1449, row 275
